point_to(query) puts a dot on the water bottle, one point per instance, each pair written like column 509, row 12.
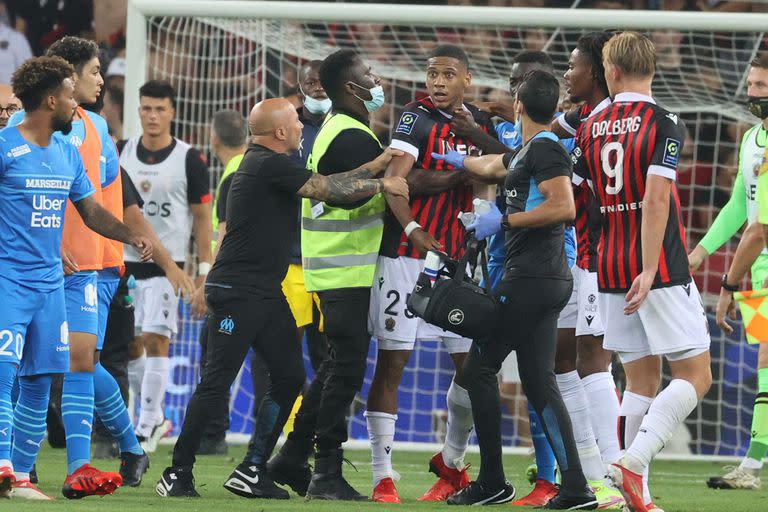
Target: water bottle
column 481, row 206
column 130, row 283
column 432, row 263
column 467, row 218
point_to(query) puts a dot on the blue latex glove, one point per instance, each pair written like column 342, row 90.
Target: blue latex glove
column 453, row 158
column 487, row 224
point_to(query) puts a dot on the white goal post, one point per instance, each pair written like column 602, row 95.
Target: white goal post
column 233, row 53
column 140, row 10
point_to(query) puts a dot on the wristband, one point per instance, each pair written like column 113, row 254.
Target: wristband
column 728, row 287
column 203, row 268
column 411, row 227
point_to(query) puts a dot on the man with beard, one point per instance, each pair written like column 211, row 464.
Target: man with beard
column 38, row 173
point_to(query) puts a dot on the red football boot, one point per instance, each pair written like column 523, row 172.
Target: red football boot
column 89, row 481
column 542, row 492
column 7, row 479
column 385, row 492
column 450, row 480
column 26, row 490
column 630, row 485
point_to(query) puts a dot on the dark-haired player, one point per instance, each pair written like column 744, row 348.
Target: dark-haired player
column 651, row 307
column 537, row 284
column 583, row 366
column 172, row 178
column 429, row 222
column 39, row 172
column 88, row 386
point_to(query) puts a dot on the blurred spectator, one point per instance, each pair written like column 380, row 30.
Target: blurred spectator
column 115, row 75
column 8, row 104
column 535, row 39
column 113, row 110
column 45, row 21
column 109, row 18
column 14, row 48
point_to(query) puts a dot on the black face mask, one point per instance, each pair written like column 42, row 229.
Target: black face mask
column 758, row 106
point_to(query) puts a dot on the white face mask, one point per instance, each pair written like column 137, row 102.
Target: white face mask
column 377, row 98
column 317, row 107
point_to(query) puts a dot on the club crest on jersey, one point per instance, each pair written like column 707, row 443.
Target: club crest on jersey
column 146, row 186
column 19, row 150
column 762, row 166
column 671, row 152
column 407, row 121
column 227, row 326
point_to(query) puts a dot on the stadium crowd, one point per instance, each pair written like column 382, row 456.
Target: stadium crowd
column 579, row 190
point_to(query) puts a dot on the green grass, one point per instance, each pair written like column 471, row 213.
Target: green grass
column 677, row 487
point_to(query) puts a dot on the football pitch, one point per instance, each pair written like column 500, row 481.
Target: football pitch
column 677, row 487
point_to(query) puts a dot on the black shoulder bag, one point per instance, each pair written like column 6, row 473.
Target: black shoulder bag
column 457, row 304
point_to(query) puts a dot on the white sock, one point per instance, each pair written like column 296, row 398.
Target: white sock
column 632, row 411
column 603, row 402
column 576, row 402
column 6, row 463
column 381, row 432
column 152, row 394
column 21, row 477
column 751, row 464
column 459, row 426
column 667, row 411
column 136, row 375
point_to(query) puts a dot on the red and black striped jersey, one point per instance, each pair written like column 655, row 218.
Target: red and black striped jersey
column 617, row 149
column 422, row 130
column 588, row 221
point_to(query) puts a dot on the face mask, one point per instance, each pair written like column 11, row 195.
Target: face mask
column 317, row 107
column 377, row 98
column 758, row 106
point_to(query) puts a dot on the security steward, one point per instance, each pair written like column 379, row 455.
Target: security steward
column 244, row 297
column 339, row 250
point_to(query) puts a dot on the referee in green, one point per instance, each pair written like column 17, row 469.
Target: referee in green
column 749, row 202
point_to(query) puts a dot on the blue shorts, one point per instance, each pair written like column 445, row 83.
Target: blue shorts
column 82, row 295
column 109, row 278
column 495, row 274
column 33, row 329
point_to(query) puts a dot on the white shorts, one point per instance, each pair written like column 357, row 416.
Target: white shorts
column 156, row 307
column 670, row 322
column 509, row 372
column 589, row 321
column 568, row 318
column 389, row 320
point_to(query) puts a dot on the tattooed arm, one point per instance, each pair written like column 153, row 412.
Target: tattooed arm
column 351, row 186
column 104, row 223
column 357, row 184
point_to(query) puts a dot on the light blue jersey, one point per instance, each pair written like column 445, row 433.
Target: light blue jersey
column 108, row 161
column 35, row 183
column 511, row 135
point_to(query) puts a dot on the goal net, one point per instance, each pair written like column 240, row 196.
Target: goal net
column 232, row 54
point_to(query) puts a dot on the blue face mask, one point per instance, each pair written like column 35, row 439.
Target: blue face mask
column 377, row 98
column 317, row 107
